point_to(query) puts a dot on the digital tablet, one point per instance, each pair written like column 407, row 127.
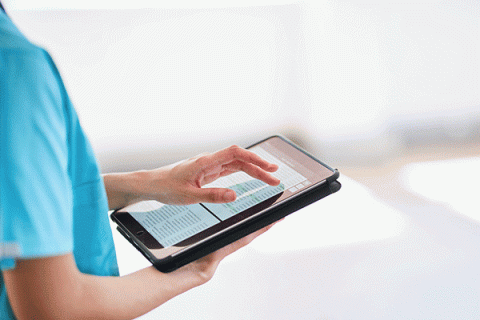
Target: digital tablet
column 170, row 236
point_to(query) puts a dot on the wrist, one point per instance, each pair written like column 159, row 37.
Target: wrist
column 134, row 186
column 124, row 188
column 150, row 185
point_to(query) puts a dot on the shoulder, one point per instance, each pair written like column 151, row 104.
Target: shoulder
column 12, row 39
column 28, row 77
column 21, row 60
column 32, row 103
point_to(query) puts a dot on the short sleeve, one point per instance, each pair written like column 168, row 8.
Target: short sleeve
column 35, row 188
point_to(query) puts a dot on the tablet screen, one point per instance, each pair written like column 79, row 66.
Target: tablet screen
column 160, row 226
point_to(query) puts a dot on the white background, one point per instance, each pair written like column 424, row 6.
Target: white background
column 354, row 81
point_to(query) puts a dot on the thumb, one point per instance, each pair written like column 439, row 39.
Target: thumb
column 214, row 195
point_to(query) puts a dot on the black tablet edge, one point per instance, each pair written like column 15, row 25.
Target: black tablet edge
column 296, row 147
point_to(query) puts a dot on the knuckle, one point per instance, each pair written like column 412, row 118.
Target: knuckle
column 234, row 149
column 201, row 161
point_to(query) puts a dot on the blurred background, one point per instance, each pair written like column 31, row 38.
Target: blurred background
column 368, row 86
column 386, row 91
column 356, row 82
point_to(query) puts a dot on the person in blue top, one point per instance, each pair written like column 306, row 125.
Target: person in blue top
column 57, row 257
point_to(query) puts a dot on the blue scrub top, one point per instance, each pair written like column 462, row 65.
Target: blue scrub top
column 52, row 197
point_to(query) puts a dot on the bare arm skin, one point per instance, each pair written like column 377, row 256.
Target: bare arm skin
column 53, row 287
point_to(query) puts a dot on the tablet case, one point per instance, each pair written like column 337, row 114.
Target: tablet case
column 170, row 263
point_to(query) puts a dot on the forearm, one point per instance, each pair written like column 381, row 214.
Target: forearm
column 125, row 188
column 53, row 288
column 130, row 296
